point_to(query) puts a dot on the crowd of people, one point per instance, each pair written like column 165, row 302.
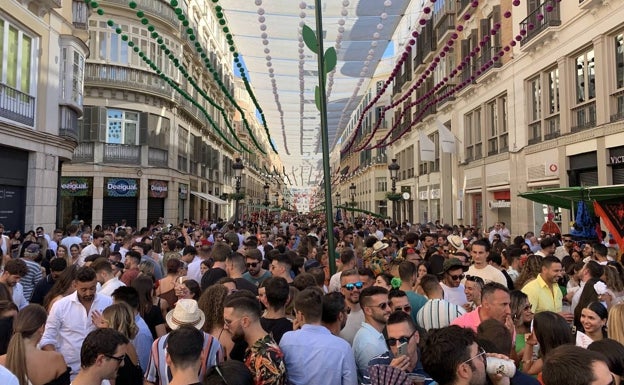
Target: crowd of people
column 255, row 303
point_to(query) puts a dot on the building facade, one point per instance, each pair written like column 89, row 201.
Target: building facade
column 42, row 58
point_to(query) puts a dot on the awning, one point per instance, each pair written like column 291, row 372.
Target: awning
column 209, row 198
column 566, row 197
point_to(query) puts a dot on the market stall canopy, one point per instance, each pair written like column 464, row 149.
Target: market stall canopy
column 566, row 197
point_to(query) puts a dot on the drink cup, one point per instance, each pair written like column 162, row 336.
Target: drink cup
column 417, row 379
column 500, row 366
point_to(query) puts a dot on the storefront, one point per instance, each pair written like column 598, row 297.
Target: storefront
column 157, row 192
column 616, row 162
column 583, row 169
column 182, row 197
column 13, row 181
column 76, row 199
column 120, row 201
column 501, row 205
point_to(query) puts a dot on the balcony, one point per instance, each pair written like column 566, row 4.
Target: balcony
column 16, row 105
column 617, row 101
column 122, row 153
column 584, row 117
column 68, row 123
column 487, row 53
column 535, row 132
column 445, row 26
column 80, row 14
column 539, row 20
column 152, row 8
column 553, row 129
column 112, row 76
column 157, row 157
column 83, row 152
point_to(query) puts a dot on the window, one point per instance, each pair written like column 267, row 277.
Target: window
column 72, row 75
column 617, row 98
column 122, row 127
column 496, row 125
column 382, row 184
column 584, row 113
column 473, row 135
column 543, row 102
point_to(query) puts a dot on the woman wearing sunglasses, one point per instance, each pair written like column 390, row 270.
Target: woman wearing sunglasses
column 521, row 316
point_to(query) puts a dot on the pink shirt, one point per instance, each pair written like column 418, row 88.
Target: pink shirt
column 469, row 320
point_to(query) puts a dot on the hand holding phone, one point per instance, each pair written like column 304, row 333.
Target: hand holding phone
column 402, row 349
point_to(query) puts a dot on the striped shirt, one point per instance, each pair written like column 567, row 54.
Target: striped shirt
column 159, row 373
column 438, row 313
column 30, row 280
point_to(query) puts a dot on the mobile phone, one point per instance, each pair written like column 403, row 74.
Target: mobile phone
column 531, row 328
column 402, row 349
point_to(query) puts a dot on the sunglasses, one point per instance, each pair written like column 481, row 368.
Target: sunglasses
column 350, row 286
column 527, row 307
column 253, row 264
column 382, row 305
column 480, row 354
column 118, row 359
column 457, row 277
column 406, row 308
column 400, row 340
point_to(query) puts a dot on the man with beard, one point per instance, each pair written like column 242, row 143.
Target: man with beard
column 335, row 312
column 255, row 273
column 101, row 356
column 13, row 272
column 70, row 319
column 369, row 341
column 263, row 357
column 495, row 303
column 452, row 357
column 350, row 288
column 453, row 273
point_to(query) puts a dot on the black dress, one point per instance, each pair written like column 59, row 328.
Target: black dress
column 129, row 374
column 154, row 318
column 63, row 379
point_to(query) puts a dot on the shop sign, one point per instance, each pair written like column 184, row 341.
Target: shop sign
column 121, row 187
column 157, row 188
column 423, row 195
column 75, row 186
column 500, row 204
column 183, row 191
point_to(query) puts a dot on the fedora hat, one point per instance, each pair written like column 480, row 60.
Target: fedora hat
column 186, row 312
column 378, row 246
column 455, row 241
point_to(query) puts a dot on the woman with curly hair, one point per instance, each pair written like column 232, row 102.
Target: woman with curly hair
column 120, row 317
column 529, row 272
column 211, row 303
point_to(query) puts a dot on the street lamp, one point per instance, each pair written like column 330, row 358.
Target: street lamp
column 276, row 197
column 238, row 173
column 352, row 190
column 337, row 199
column 394, row 174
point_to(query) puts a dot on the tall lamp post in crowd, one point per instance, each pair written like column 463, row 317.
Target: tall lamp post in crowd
column 394, row 174
column 338, row 204
column 276, row 198
column 238, row 173
column 352, row 190
column 266, row 199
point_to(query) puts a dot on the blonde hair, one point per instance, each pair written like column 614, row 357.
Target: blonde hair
column 27, row 322
column 613, row 279
column 121, row 318
column 615, row 323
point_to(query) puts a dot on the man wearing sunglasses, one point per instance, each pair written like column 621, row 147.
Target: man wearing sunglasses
column 453, row 273
column 253, row 262
column 101, row 355
column 401, row 329
column 369, row 341
column 452, row 357
column 350, row 287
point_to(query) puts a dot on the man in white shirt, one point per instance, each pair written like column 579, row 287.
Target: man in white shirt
column 105, row 276
column 454, row 291
column 4, row 242
column 72, row 238
column 94, row 248
column 479, row 252
column 71, row 318
column 189, row 255
column 13, row 272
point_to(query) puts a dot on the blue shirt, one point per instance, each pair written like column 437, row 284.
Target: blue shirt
column 416, row 301
column 142, row 342
column 314, row 356
column 367, row 344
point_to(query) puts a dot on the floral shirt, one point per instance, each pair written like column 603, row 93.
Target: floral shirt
column 265, row 360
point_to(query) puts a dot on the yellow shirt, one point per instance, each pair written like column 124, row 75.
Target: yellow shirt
column 542, row 297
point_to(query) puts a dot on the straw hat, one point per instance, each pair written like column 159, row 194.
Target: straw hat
column 186, row 312
column 378, row 246
column 455, row 241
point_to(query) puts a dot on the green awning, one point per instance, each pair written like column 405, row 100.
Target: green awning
column 362, row 211
column 566, row 197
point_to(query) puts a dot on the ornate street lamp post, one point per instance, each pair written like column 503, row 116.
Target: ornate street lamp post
column 394, row 174
column 352, row 190
column 238, row 173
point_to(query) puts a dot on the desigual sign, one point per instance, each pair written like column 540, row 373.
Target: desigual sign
column 121, row 187
column 157, row 188
column 73, row 186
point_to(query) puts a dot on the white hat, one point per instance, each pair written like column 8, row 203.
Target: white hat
column 378, row 246
column 186, row 312
column 455, row 241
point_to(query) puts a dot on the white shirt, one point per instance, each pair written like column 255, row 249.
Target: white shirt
column 194, row 271
column 354, row 323
column 110, row 286
column 489, row 274
column 88, row 250
column 454, row 295
column 5, row 245
column 71, row 240
column 18, row 296
column 6, row 377
column 68, row 325
column 334, row 282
